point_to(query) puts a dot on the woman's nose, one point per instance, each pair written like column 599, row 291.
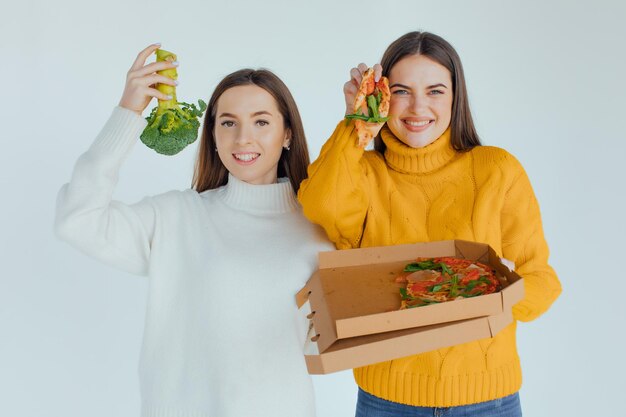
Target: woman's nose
column 244, row 136
column 417, row 103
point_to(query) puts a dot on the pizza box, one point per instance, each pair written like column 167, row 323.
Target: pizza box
column 354, row 304
column 367, row 350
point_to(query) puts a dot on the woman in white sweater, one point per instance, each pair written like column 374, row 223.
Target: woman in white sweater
column 223, row 336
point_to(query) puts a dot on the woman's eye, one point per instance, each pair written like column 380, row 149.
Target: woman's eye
column 228, row 123
column 262, row 122
column 400, row 92
column 435, row 92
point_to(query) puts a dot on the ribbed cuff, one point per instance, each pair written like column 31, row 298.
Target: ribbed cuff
column 120, row 132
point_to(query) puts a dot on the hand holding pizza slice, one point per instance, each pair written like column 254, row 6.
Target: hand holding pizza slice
column 371, row 107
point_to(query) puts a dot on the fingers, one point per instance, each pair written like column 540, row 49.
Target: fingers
column 138, row 83
column 143, row 55
column 158, row 79
column 153, row 92
column 356, row 76
column 151, row 68
column 350, row 87
column 378, row 72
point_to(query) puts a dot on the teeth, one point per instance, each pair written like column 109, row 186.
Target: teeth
column 422, row 123
column 246, row 156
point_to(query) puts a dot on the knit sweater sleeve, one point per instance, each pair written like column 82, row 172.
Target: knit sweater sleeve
column 88, row 218
column 335, row 195
column 523, row 242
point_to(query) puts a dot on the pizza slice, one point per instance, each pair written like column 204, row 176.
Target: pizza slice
column 371, row 107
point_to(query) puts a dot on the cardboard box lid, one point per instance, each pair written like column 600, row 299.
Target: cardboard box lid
column 353, row 293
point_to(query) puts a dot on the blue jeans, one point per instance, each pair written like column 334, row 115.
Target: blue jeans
column 370, row 406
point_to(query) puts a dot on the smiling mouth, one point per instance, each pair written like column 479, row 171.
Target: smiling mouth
column 246, row 158
column 417, row 125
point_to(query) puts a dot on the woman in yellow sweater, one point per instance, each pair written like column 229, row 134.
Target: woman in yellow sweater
column 428, row 178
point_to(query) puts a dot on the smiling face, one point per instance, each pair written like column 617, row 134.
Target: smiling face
column 421, row 100
column 250, row 134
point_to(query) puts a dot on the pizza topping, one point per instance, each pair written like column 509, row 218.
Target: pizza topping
column 427, row 275
column 436, row 280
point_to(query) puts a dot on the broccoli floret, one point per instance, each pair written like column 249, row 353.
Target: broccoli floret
column 172, row 125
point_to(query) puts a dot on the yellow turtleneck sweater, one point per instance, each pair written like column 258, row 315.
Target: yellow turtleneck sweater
column 435, row 193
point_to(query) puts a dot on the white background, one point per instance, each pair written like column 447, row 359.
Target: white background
column 546, row 82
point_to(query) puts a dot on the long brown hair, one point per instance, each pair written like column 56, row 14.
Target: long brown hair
column 210, row 172
column 463, row 134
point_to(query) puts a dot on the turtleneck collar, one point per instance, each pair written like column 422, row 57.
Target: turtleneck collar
column 263, row 199
column 403, row 158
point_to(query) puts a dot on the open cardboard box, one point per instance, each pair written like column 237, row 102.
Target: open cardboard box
column 354, row 302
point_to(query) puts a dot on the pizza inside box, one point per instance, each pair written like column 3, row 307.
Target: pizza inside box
column 355, row 299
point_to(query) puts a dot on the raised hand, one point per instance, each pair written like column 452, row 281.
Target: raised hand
column 141, row 81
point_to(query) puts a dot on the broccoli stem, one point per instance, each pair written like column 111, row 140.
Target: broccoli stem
column 163, row 55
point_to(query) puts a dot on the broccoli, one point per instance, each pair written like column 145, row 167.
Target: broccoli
column 172, row 125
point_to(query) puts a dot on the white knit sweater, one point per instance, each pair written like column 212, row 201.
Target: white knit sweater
column 222, row 336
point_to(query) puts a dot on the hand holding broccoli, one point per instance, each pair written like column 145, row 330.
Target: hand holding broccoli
column 172, row 125
column 142, row 79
